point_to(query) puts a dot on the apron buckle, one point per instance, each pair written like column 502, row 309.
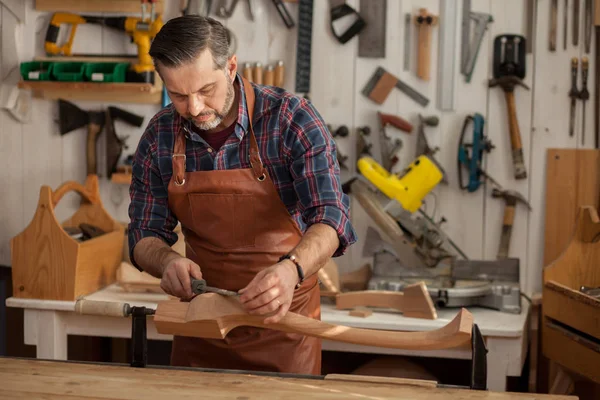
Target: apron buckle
column 177, row 183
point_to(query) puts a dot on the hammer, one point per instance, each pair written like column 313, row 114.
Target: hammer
column 508, row 83
column 510, row 197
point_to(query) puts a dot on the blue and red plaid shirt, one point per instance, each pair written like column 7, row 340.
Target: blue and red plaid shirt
column 294, row 144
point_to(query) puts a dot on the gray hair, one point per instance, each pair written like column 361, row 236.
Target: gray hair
column 182, row 39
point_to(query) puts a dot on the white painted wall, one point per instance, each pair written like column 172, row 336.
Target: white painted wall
column 34, row 154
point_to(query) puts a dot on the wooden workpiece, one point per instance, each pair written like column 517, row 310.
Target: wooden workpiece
column 53, row 380
column 213, row 316
column 123, row 6
column 413, row 302
column 425, row 23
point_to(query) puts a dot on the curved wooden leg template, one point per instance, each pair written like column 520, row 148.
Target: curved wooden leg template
column 413, row 302
column 211, row 315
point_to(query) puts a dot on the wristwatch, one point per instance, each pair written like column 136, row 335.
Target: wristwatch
column 299, row 269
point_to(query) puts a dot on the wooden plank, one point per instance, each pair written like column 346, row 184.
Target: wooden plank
column 572, row 180
column 122, row 6
column 381, row 379
column 572, row 308
column 105, row 92
column 27, row 378
column 570, row 351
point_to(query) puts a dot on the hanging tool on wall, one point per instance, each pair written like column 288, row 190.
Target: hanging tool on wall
column 371, row 41
column 573, row 94
column 447, row 55
column 470, row 48
column 407, row 41
column 425, row 22
column 195, row 7
column 381, row 83
column 389, row 148
column 114, row 143
column 575, row 22
column 224, row 11
column 565, row 24
column 141, row 31
column 362, row 147
column 338, row 9
column 587, row 38
column 470, row 155
column 304, row 46
column 553, row 24
column 511, row 198
column 597, row 78
column 530, row 21
column 584, row 94
column 423, row 147
column 509, row 69
column 284, row 14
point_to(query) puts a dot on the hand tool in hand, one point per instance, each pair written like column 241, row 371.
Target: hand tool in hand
column 510, row 199
column 587, row 38
column 509, row 69
column 381, row 83
column 199, row 286
column 339, row 9
column 553, row 24
column 425, row 22
column 470, row 49
column 470, row 155
column 584, row 93
column 597, row 80
column 575, row 22
column 573, row 94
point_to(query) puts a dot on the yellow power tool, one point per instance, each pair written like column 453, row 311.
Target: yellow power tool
column 419, row 178
column 141, row 31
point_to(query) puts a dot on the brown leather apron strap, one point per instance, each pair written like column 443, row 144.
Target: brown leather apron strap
column 179, row 158
column 255, row 161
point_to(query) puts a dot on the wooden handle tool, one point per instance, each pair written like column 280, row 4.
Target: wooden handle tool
column 425, row 22
column 92, row 136
column 247, row 72
column 395, row 121
column 213, row 316
column 279, row 74
column 258, row 73
column 102, row 308
column 269, row 76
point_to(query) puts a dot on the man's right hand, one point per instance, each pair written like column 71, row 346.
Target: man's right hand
column 176, row 279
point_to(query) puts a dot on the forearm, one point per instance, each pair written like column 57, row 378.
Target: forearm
column 153, row 254
column 316, row 248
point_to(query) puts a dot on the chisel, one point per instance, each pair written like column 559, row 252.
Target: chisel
column 199, row 286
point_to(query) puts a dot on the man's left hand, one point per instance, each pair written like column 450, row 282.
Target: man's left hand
column 271, row 290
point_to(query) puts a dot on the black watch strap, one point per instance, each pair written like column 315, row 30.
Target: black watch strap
column 299, row 269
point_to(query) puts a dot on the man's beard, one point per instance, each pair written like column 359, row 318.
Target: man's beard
column 219, row 116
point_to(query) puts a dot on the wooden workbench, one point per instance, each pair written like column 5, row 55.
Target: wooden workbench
column 34, row 379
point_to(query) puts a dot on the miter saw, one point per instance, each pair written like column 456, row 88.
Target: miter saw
column 416, row 248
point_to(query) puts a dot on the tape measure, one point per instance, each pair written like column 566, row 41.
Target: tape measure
column 304, row 46
column 371, row 41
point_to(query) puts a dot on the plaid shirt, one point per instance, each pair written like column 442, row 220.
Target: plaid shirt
column 295, row 146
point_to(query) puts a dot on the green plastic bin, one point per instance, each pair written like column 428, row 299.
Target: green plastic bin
column 106, row 72
column 36, row 70
column 68, row 71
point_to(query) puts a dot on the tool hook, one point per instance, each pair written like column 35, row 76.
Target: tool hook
column 225, row 12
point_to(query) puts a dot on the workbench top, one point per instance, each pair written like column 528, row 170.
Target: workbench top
column 490, row 322
column 35, row 379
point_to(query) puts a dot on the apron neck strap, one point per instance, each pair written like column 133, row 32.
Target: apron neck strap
column 255, row 161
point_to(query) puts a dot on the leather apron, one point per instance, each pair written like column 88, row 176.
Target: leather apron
column 235, row 225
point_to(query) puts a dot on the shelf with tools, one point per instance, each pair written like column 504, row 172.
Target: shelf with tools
column 125, row 6
column 123, row 92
